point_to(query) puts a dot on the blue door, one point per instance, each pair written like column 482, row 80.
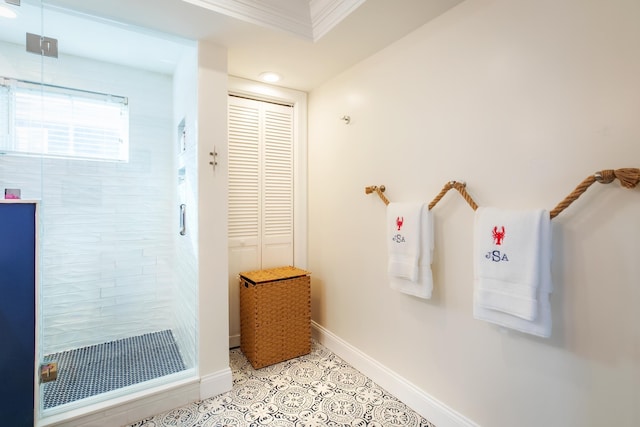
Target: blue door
column 17, row 313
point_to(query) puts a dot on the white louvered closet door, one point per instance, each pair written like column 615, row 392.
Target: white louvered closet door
column 260, row 191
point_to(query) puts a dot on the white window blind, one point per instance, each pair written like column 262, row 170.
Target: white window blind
column 53, row 121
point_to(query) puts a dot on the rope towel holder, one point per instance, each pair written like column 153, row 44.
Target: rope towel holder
column 628, row 177
column 460, row 186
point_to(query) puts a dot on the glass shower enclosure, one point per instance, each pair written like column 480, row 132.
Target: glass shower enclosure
column 91, row 134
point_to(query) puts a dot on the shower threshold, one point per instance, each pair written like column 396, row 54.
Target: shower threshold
column 97, row 369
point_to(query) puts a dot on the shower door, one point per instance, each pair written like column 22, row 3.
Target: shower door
column 92, row 136
column 20, row 189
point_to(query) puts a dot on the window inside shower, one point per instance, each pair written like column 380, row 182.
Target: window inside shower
column 116, row 292
column 53, row 121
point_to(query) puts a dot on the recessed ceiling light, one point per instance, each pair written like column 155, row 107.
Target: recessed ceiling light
column 270, row 77
column 5, row 12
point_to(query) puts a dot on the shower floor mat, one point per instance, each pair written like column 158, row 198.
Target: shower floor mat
column 88, row 371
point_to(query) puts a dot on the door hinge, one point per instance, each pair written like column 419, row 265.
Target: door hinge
column 40, row 45
column 48, row 372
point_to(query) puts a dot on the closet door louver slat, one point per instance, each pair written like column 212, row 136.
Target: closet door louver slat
column 244, row 174
column 260, row 184
column 278, row 175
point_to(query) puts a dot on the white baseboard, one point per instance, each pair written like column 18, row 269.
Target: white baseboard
column 216, row 383
column 430, row 408
column 234, row 341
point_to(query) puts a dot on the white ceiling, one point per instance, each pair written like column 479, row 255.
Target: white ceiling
column 306, row 41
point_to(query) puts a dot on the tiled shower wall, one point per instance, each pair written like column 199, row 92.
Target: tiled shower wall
column 107, row 229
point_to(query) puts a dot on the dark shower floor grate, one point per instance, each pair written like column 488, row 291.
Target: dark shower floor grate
column 100, row 368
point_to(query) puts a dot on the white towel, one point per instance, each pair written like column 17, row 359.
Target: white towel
column 403, row 229
column 512, row 277
column 410, row 233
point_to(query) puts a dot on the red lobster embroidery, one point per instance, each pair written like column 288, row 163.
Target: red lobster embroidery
column 399, row 222
column 498, row 236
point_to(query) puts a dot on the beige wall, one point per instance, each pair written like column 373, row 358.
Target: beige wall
column 213, row 296
column 522, row 100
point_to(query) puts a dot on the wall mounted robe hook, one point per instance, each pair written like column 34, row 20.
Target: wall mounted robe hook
column 214, row 158
column 346, row 119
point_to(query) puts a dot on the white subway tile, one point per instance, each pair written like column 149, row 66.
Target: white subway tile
column 113, row 265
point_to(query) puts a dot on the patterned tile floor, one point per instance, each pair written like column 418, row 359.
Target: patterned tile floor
column 315, row 390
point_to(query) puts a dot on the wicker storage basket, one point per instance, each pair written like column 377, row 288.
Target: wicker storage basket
column 275, row 315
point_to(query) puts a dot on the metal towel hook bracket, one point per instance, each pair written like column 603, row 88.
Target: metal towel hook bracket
column 214, row 158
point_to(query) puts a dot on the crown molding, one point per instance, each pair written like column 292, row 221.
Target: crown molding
column 268, row 13
column 310, row 21
column 326, row 14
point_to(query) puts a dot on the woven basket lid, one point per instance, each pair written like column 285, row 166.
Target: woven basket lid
column 272, row 274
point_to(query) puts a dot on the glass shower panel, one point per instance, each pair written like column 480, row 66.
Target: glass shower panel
column 21, row 172
column 98, row 140
column 20, row 191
